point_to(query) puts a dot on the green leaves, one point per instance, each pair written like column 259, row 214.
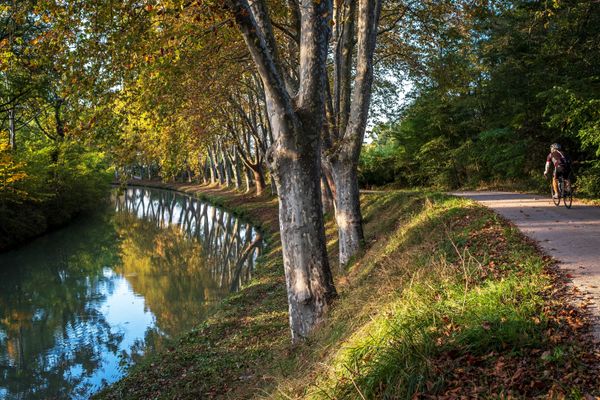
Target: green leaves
column 574, row 115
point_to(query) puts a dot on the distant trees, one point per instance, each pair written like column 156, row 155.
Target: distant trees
column 496, row 83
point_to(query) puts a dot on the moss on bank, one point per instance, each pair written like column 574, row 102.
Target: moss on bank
column 447, row 300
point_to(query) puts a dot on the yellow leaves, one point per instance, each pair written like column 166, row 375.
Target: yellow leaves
column 11, row 172
column 15, row 178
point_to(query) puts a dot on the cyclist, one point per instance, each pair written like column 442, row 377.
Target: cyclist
column 562, row 167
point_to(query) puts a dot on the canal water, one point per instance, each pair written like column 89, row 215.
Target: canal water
column 80, row 305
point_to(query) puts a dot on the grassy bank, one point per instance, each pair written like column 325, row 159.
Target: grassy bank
column 448, row 300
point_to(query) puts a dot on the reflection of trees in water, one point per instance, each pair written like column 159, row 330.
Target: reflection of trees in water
column 180, row 254
column 229, row 247
column 52, row 335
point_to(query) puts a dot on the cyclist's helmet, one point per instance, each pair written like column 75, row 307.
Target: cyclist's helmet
column 555, row 146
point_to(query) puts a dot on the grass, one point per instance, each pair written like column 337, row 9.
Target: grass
column 448, row 300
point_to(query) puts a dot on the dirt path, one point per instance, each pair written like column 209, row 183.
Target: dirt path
column 571, row 236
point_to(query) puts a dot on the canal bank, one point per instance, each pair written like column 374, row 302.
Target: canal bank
column 447, row 300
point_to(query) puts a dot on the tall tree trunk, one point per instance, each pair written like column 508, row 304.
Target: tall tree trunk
column 347, row 210
column 238, row 171
column 350, row 131
column 12, row 135
column 273, row 187
column 226, row 168
column 205, row 172
column 213, row 167
column 326, row 195
column 295, row 155
column 308, row 277
column 221, row 168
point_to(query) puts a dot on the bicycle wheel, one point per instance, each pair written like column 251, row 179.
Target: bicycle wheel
column 568, row 196
column 555, row 196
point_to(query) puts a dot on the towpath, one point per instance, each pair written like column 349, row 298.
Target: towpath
column 571, row 236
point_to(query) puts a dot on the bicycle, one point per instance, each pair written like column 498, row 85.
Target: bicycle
column 565, row 192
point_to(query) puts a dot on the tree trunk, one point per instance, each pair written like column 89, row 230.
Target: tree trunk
column 238, row 171
column 205, row 172
column 11, row 129
column 273, row 187
column 309, row 281
column 249, row 182
column 350, row 130
column 259, row 180
column 221, row 171
column 226, row 168
column 326, row 195
column 213, row 167
column 295, row 156
column 347, row 210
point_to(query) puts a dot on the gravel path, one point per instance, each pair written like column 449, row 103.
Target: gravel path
column 572, row 236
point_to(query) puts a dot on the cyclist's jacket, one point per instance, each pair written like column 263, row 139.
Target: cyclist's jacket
column 558, row 159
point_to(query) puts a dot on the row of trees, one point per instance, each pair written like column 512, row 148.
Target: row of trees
column 234, row 92
column 314, row 121
column 262, row 93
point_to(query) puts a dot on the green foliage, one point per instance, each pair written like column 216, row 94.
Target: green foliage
column 12, row 174
column 574, row 115
column 47, row 185
column 499, row 86
column 378, row 164
column 588, row 182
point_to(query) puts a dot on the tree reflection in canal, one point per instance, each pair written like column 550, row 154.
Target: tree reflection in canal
column 207, row 251
column 78, row 304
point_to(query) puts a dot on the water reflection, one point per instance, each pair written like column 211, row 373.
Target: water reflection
column 78, row 305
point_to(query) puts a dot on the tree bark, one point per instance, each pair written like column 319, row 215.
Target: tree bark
column 205, row 168
column 273, row 187
column 348, row 134
column 326, row 195
column 220, row 166
column 295, row 158
column 347, row 210
column 259, row 179
column 226, row 168
column 213, row 167
column 248, row 173
column 309, row 280
column 12, row 135
column 238, row 171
